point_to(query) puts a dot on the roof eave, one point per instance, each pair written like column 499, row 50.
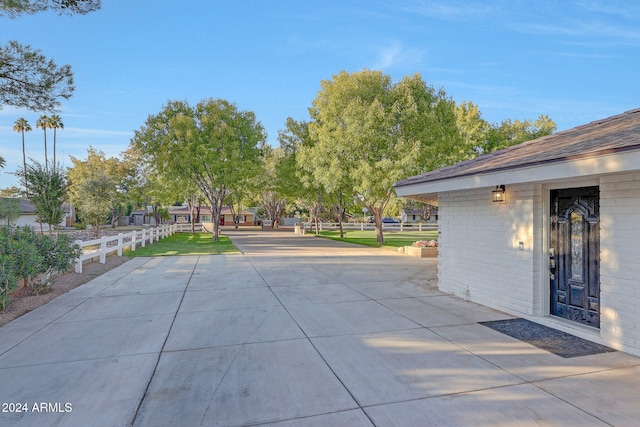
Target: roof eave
column 579, row 166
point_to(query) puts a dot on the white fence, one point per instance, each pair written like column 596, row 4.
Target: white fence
column 105, row 245
column 186, row 227
column 365, row 226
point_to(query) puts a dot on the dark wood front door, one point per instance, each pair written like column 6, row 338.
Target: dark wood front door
column 575, row 254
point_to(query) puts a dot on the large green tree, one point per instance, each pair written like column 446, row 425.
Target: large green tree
column 146, row 186
column 93, row 197
column 295, row 179
column 369, row 132
column 28, row 79
column 513, row 132
column 213, row 144
column 479, row 137
column 273, row 191
column 473, row 131
column 14, row 8
column 98, row 186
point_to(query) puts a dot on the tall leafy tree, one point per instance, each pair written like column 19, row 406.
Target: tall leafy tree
column 295, row 176
column 47, row 192
column 28, row 79
column 213, row 144
column 14, row 8
column 98, row 186
column 369, row 133
column 93, row 197
column 273, row 197
column 44, row 122
column 473, row 130
column 293, row 179
column 55, row 123
column 22, row 125
column 513, row 132
column 479, row 137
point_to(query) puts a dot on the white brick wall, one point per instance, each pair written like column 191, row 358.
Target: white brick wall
column 480, row 258
column 479, row 250
column 620, row 259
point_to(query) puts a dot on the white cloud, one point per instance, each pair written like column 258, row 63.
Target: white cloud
column 395, row 54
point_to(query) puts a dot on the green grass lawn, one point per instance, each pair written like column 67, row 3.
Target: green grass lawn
column 186, row 244
column 392, row 239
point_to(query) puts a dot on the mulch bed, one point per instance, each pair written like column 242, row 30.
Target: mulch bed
column 23, row 300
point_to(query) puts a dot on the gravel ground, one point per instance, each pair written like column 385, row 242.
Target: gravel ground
column 23, row 300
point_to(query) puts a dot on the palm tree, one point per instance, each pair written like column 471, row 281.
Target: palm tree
column 55, row 122
column 22, row 125
column 44, row 122
column 1, row 162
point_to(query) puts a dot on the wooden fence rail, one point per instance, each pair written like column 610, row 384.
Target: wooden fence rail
column 366, row 226
column 106, row 245
column 186, row 227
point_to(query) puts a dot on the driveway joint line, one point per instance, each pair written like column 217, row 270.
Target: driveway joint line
column 309, row 340
column 166, row 338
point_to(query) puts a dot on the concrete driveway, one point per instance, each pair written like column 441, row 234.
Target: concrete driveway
column 297, row 331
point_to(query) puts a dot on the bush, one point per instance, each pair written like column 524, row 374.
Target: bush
column 26, row 255
column 7, row 279
column 58, row 255
column 20, row 259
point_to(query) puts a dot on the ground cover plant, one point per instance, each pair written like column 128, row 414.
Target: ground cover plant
column 392, row 240
column 187, row 244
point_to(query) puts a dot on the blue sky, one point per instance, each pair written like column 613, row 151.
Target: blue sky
column 576, row 61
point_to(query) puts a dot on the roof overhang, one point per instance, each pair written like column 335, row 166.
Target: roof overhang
column 615, row 162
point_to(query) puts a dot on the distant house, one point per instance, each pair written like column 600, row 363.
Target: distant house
column 182, row 214
column 416, row 215
column 142, row 217
column 29, row 217
column 548, row 229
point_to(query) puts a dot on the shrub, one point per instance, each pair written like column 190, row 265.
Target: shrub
column 58, row 255
column 20, row 259
column 26, row 255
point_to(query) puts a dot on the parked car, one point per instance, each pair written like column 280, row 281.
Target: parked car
column 389, row 220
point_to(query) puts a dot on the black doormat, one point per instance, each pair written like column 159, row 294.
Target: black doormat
column 549, row 339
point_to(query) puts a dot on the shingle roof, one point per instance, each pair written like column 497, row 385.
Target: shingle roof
column 28, row 207
column 613, row 134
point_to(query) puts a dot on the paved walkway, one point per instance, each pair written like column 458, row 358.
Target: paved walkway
column 298, row 331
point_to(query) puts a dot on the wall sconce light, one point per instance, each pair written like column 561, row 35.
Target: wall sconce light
column 499, row 194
